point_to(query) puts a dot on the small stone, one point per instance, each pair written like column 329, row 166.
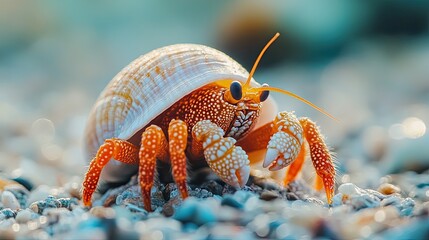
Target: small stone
column 392, row 200
column 228, row 200
column 364, row 201
column 68, row 202
column 7, row 213
column 204, row 215
column 388, row 189
column 314, row 201
column 20, row 192
column 348, row 189
column 49, row 202
column 213, row 187
column 9, row 200
column 201, row 193
column 24, row 182
column 407, row 207
column 269, row 195
column 194, row 211
column 169, row 207
column 187, row 210
column 25, row 216
column 102, row 212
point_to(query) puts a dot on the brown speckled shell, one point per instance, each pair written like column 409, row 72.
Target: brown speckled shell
column 151, row 84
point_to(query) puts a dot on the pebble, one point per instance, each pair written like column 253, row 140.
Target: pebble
column 268, row 195
column 213, row 187
column 9, row 200
column 406, row 207
column 229, row 200
column 26, row 215
column 49, row 202
column 7, row 213
column 356, row 197
column 388, row 189
column 24, row 182
column 103, row 212
column 193, row 211
column 349, row 189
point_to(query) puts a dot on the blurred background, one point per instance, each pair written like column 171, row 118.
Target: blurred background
column 366, row 62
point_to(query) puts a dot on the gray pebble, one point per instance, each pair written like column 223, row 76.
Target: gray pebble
column 26, row 215
column 9, row 200
column 267, row 195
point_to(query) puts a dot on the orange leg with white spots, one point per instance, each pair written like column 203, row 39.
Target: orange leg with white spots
column 320, row 156
column 118, row 149
column 153, row 147
column 178, row 135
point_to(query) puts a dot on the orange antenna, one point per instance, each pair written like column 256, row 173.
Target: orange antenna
column 274, row 89
column 259, row 59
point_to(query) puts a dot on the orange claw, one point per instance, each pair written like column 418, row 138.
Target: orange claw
column 178, row 136
column 320, row 156
column 153, row 145
column 120, row 150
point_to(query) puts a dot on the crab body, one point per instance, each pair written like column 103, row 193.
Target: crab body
column 193, row 103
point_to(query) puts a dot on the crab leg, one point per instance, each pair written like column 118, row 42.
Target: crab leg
column 118, row 149
column 230, row 162
column 320, row 156
column 178, row 135
column 153, row 146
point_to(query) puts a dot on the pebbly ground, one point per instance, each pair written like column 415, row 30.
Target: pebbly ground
column 398, row 209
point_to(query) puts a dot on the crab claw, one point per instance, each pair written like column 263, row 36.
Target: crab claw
column 228, row 161
column 285, row 144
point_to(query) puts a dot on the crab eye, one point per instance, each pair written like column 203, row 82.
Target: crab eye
column 264, row 94
column 235, row 90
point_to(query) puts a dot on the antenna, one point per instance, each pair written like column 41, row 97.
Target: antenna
column 255, row 65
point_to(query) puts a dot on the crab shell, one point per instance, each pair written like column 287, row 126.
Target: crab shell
column 151, row 84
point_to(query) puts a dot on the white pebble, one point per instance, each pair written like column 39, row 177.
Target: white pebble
column 9, row 200
column 24, row 216
column 348, row 189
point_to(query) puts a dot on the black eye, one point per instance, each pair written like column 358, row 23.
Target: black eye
column 264, row 94
column 235, row 90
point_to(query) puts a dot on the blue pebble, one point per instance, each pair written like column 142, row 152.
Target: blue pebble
column 407, row 207
column 195, row 212
column 204, row 214
column 186, row 211
column 228, row 200
column 242, row 196
column 365, row 201
column 8, row 213
column 392, row 200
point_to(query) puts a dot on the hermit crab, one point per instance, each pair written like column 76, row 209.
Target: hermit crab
column 189, row 103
